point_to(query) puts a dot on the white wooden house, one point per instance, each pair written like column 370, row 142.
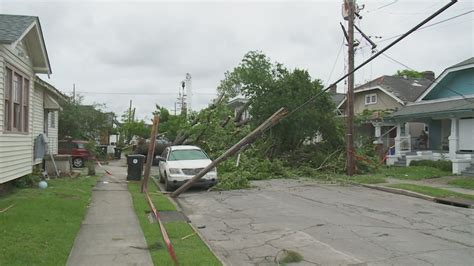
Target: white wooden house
column 28, row 105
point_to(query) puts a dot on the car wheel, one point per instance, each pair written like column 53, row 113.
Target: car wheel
column 77, row 162
column 168, row 185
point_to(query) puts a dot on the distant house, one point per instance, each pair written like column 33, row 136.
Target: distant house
column 384, row 95
column 338, row 99
column 447, row 107
column 237, row 104
column 28, row 105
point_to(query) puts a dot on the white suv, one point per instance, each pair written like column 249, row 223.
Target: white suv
column 178, row 164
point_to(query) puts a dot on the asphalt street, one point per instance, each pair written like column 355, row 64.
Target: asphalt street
column 330, row 225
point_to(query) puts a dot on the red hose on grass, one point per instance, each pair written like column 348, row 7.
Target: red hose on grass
column 163, row 230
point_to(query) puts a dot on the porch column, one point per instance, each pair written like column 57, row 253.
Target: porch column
column 378, row 140
column 398, row 140
column 453, row 139
column 407, row 135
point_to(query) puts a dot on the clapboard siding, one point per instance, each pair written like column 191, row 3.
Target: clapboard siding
column 16, row 158
column 53, row 133
column 2, row 86
column 38, row 114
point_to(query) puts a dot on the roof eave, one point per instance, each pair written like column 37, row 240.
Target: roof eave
column 430, row 114
column 440, row 78
column 43, row 46
column 39, row 31
column 50, row 88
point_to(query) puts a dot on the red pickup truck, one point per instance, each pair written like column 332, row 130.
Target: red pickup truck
column 77, row 150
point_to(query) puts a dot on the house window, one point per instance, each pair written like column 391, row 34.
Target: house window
column 53, row 119
column 371, row 99
column 16, row 101
column 25, row 104
column 7, row 107
column 45, row 122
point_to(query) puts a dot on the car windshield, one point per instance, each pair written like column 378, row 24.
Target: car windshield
column 80, row 146
column 179, row 155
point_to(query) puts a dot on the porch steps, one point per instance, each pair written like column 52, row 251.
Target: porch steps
column 468, row 171
column 402, row 162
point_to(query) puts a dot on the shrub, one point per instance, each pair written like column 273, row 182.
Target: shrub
column 26, row 181
column 440, row 164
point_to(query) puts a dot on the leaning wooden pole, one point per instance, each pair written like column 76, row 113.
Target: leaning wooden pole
column 151, row 150
column 272, row 120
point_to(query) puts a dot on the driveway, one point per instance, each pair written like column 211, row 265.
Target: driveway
column 330, row 225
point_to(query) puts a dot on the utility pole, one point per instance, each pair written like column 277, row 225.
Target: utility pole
column 151, row 153
column 349, row 5
column 189, row 92
column 130, row 112
column 74, row 93
column 182, row 98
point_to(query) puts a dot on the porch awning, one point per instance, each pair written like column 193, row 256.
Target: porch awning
column 443, row 109
column 50, row 103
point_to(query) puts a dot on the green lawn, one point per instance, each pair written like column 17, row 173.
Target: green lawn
column 367, row 179
column 41, row 226
column 406, row 173
column 431, row 191
column 412, row 172
column 189, row 251
column 467, row 183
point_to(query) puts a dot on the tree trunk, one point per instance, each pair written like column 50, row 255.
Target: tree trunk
column 90, row 168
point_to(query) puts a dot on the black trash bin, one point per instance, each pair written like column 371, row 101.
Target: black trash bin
column 118, row 153
column 135, row 166
column 101, row 151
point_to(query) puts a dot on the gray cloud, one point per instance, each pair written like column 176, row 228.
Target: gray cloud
column 147, row 47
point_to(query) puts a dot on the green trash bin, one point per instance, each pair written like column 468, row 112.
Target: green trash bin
column 118, row 153
column 135, row 166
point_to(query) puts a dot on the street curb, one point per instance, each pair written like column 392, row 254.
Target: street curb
column 445, row 201
column 180, row 209
column 401, row 192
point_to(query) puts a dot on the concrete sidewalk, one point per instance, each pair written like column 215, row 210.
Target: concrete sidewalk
column 110, row 233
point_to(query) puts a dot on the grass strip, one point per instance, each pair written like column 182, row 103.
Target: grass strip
column 405, row 173
column 41, row 226
column 367, row 179
column 467, row 183
column 432, row 191
column 412, row 172
column 190, row 251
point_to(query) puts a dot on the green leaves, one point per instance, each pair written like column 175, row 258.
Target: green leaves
column 270, row 86
column 82, row 121
column 409, row 73
column 130, row 127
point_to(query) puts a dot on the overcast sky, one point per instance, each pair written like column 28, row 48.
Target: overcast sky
column 143, row 49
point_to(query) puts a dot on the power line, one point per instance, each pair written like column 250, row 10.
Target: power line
column 396, row 61
column 384, row 6
column 419, row 13
column 429, row 25
column 335, row 62
column 140, row 93
column 422, row 28
column 373, row 57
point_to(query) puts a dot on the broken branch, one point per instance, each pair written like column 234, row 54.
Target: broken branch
column 250, row 138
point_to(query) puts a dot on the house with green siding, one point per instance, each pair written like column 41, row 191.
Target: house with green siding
column 28, row 105
column 447, row 108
